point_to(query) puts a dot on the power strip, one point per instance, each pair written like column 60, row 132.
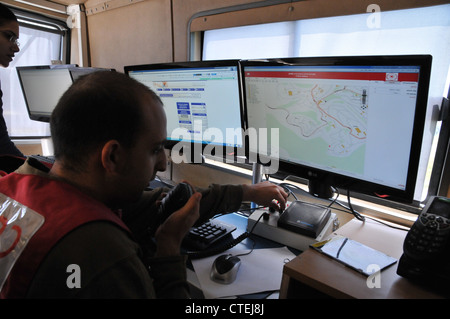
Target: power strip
column 269, row 229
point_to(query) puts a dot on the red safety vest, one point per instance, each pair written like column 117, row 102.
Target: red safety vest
column 36, row 212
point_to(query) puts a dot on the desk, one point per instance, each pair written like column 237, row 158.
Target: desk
column 312, row 274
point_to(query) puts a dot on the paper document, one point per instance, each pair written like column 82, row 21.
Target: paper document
column 261, row 270
column 354, row 254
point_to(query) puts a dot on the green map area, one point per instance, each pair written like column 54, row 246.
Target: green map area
column 329, row 121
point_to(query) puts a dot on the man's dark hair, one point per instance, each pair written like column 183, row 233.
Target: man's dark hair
column 6, row 15
column 98, row 107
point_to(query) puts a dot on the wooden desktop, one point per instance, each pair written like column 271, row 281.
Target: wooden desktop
column 313, row 274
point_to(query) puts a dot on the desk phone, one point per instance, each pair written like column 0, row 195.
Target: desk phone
column 426, row 250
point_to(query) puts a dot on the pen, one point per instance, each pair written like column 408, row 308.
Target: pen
column 340, row 248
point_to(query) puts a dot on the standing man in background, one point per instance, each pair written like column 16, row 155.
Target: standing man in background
column 9, row 46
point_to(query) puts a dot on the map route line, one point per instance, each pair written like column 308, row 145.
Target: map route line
column 299, row 126
column 324, row 112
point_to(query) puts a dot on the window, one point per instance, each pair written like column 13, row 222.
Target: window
column 41, row 42
column 410, row 31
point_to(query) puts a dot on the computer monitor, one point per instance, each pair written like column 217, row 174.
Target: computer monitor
column 202, row 101
column 42, row 86
column 354, row 123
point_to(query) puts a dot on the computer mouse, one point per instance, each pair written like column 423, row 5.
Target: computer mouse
column 225, row 268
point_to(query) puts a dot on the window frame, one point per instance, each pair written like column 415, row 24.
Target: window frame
column 56, row 26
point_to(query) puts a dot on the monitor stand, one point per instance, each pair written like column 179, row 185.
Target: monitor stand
column 320, row 189
column 256, row 178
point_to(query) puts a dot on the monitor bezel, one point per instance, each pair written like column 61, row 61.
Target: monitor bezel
column 85, row 71
column 40, row 117
column 236, row 153
column 335, row 179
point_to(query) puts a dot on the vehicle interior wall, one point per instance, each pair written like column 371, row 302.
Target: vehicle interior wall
column 133, row 34
column 152, row 31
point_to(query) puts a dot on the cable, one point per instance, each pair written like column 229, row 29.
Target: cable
column 362, row 218
column 288, row 186
column 335, row 199
column 217, row 250
column 354, row 212
column 340, row 248
column 250, row 209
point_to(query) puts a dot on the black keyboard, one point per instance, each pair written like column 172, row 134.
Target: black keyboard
column 203, row 236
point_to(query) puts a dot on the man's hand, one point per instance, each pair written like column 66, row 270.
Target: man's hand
column 266, row 194
column 171, row 233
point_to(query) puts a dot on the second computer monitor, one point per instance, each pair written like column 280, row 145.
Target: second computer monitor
column 202, row 101
column 350, row 122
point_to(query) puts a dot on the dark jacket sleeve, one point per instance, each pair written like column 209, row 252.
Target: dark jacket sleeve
column 216, row 199
column 7, row 147
column 219, row 199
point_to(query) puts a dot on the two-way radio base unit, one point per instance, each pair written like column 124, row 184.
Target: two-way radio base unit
column 268, row 228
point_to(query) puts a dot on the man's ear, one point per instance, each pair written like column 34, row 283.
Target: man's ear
column 112, row 156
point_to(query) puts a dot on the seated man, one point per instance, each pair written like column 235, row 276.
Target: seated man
column 108, row 132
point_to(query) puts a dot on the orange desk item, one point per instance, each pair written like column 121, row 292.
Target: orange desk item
column 313, row 274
